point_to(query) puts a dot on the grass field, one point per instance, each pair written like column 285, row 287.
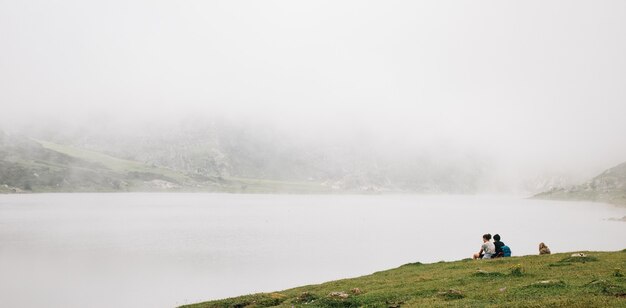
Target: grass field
column 558, row 280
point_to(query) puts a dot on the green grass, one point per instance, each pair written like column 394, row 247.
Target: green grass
column 529, row 281
column 114, row 164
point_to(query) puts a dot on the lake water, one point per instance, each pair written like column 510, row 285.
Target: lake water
column 165, row 250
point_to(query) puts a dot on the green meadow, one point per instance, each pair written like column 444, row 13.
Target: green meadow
column 558, row 280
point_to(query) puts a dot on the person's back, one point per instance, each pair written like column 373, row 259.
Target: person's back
column 489, row 250
column 498, row 246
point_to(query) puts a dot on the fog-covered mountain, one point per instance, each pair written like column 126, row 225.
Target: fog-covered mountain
column 220, row 156
column 26, row 165
column 609, row 186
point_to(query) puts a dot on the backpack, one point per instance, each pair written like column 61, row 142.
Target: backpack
column 506, row 251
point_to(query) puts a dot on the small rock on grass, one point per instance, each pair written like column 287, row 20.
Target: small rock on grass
column 306, row 297
column 341, row 295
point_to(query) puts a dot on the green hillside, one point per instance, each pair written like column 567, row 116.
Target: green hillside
column 609, row 187
column 114, row 164
column 558, row 280
column 32, row 165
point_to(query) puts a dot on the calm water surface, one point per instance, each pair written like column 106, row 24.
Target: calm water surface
column 165, row 250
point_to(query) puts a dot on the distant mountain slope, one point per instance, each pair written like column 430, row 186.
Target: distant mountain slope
column 30, row 165
column 114, row 164
column 25, row 165
column 225, row 150
column 609, row 186
column 231, row 157
column 38, row 166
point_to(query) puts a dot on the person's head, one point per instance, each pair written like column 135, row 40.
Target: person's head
column 486, row 237
column 496, row 237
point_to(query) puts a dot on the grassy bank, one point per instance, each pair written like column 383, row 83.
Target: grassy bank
column 596, row 280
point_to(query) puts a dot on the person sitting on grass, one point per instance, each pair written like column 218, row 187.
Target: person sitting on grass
column 498, row 245
column 487, row 249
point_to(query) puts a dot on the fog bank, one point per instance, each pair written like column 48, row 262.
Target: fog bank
column 526, row 90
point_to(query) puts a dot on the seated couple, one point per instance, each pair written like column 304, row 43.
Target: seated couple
column 490, row 250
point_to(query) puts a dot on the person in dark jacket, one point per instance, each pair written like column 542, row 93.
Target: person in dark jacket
column 498, row 244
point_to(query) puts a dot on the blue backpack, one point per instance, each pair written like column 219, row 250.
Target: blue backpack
column 506, row 251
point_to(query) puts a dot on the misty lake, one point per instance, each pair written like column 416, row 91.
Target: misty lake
column 165, row 250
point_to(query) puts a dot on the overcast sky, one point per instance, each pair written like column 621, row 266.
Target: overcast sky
column 538, row 81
